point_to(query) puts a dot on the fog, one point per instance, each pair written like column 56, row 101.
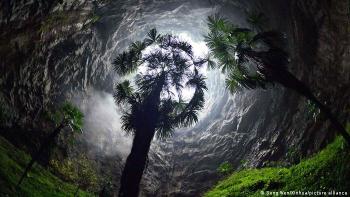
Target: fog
column 102, row 125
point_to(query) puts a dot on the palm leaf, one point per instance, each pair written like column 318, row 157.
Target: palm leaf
column 152, row 37
column 197, row 81
column 210, row 61
column 123, row 92
column 185, row 47
column 166, row 124
column 216, row 23
column 138, row 47
column 73, row 115
column 126, row 62
column 189, row 114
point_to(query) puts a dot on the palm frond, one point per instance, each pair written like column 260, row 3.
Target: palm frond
column 189, row 115
column 123, row 92
column 152, row 37
column 221, row 50
column 145, row 83
column 239, row 78
column 73, row 115
column 216, row 23
column 210, row 61
column 234, row 50
column 185, row 47
column 166, row 124
column 197, row 81
column 129, row 122
column 231, row 84
column 138, row 47
column 126, row 62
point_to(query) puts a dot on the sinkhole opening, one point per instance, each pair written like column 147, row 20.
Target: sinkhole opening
column 103, row 127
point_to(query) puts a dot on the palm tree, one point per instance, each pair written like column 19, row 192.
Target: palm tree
column 154, row 104
column 67, row 116
column 253, row 60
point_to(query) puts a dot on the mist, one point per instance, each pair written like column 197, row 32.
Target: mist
column 102, row 126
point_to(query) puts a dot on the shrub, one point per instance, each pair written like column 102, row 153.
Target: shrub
column 225, row 168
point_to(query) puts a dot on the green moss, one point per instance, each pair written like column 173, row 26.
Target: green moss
column 78, row 170
column 326, row 171
column 225, row 168
column 39, row 182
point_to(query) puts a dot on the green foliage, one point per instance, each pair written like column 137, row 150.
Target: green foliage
column 123, row 92
column 236, row 51
column 243, row 162
column 169, row 67
column 247, row 182
column 225, row 168
column 294, row 155
column 39, row 182
column 69, row 114
column 73, row 115
column 312, row 110
column 78, row 170
column 328, row 170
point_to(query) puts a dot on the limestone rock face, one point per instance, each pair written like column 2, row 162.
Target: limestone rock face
column 51, row 51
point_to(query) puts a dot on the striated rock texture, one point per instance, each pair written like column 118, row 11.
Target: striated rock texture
column 48, row 49
column 51, row 51
column 274, row 127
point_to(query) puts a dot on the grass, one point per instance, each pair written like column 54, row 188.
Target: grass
column 39, row 182
column 326, row 171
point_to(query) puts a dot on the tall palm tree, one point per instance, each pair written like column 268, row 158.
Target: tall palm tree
column 154, row 102
column 253, row 60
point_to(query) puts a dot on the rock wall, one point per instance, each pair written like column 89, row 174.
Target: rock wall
column 273, row 127
column 48, row 49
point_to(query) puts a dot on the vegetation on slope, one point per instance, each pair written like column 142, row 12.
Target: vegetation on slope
column 39, row 182
column 327, row 171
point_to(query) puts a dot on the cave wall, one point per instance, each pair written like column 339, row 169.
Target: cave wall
column 48, row 50
column 274, row 127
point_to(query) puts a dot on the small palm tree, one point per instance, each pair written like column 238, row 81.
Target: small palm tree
column 253, row 60
column 66, row 116
column 154, row 104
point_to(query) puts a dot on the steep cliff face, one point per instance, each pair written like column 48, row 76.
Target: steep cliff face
column 54, row 51
column 48, row 49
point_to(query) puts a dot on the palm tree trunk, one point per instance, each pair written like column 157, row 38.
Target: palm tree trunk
column 50, row 139
column 290, row 81
column 135, row 163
